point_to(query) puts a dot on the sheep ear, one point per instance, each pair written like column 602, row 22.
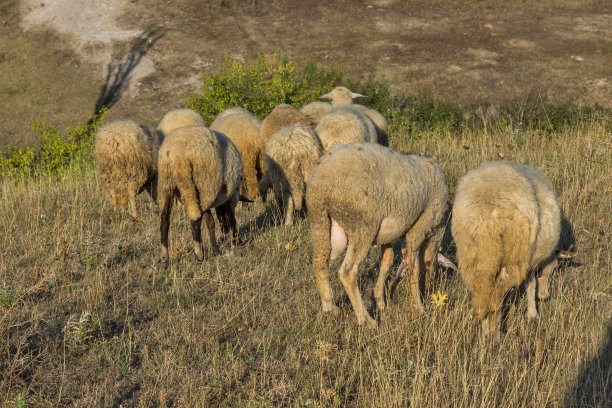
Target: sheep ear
column 356, row 95
column 562, row 254
column 326, row 96
column 444, row 261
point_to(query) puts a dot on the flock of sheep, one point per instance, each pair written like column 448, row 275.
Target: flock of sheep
column 358, row 192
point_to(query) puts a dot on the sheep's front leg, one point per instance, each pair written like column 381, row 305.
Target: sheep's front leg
column 196, row 232
column 385, row 262
column 210, row 225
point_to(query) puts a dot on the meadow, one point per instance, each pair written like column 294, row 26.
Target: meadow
column 87, row 318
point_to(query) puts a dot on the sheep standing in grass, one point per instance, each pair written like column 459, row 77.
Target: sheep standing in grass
column 343, row 96
column 506, row 223
column 203, row 168
column 344, row 125
column 366, row 194
column 281, row 116
column 315, row 110
column 126, row 155
column 290, row 154
column 243, row 130
column 177, row 118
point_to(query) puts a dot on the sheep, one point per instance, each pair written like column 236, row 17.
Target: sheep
column 126, row 155
column 178, row 118
column 203, row 168
column 243, row 130
column 343, row 96
column 281, row 116
column 506, row 223
column 315, row 110
column 290, row 154
column 345, row 125
column 364, row 194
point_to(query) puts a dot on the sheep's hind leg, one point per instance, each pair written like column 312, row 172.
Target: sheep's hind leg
column 210, row 225
column 196, row 232
column 385, row 262
column 225, row 213
column 132, row 198
column 530, row 288
column 165, row 227
column 348, row 277
column 543, row 292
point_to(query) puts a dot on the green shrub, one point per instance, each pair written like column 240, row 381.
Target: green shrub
column 53, row 152
column 260, row 86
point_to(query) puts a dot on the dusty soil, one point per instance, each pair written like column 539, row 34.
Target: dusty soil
column 56, row 55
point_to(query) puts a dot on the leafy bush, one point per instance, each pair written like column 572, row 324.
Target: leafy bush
column 260, row 86
column 54, row 152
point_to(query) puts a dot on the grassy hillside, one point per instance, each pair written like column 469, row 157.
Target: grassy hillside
column 87, row 319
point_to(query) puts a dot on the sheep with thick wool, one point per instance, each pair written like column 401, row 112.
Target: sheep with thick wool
column 290, row 154
column 365, row 194
column 243, row 130
column 126, row 155
column 177, row 118
column 343, row 96
column 203, row 168
column 506, row 223
column 314, row 110
column 344, row 125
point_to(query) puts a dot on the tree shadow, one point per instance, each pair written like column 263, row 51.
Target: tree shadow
column 594, row 385
column 118, row 72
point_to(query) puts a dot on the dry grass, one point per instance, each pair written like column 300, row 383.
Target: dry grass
column 87, row 319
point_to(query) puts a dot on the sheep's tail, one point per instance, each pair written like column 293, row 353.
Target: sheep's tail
column 181, row 179
column 296, row 184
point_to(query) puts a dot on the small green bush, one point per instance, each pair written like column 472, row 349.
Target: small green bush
column 53, row 152
column 260, row 86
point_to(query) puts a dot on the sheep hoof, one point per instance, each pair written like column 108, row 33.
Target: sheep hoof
column 371, row 323
column 532, row 315
column 380, row 303
column 163, row 263
column 199, row 257
column 330, row 307
column 543, row 294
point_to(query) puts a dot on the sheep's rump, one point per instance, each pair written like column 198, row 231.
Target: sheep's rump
column 315, row 110
column 126, row 154
column 202, row 165
column 505, row 214
column 370, row 189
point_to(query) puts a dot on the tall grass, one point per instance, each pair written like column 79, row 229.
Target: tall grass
column 87, row 318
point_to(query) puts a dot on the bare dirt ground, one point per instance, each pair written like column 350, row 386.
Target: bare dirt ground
column 55, row 56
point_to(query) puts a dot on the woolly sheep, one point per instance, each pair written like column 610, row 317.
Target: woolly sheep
column 343, row 96
column 177, row 118
column 243, row 130
column 365, row 194
column 290, row 154
column 506, row 223
column 203, row 168
column 345, row 125
column 281, row 116
column 315, row 110
column 126, row 154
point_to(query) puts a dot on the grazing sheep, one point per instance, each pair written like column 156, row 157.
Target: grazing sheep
column 345, row 125
column 177, row 118
column 203, row 168
column 243, row 130
column 343, row 96
column 281, row 116
column 290, row 154
column 506, row 223
column 126, row 154
column 315, row 110
column 366, row 194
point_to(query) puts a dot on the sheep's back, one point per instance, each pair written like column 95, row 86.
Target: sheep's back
column 177, row 118
column 281, row 116
column 315, row 110
column 364, row 183
column 345, row 125
column 243, row 131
